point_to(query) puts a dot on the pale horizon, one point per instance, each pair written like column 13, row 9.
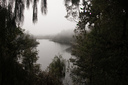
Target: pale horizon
column 52, row 23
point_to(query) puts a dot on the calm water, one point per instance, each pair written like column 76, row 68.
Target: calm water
column 48, row 49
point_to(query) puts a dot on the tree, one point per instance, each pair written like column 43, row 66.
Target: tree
column 18, row 6
column 28, row 56
column 18, row 54
column 8, row 33
column 57, row 68
column 54, row 74
column 101, row 54
column 72, row 8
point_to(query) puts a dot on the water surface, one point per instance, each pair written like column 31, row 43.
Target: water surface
column 47, row 51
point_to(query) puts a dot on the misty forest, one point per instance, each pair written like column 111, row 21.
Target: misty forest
column 95, row 52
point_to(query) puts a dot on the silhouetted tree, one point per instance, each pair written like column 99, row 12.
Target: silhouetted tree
column 18, row 6
column 54, row 74
column 57, row 67
column 18, row 54
column 101, row 54
column 8, row 53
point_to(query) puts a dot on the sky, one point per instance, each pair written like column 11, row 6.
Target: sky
column 52, row 23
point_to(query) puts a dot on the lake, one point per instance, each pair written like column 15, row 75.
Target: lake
column 47, row 51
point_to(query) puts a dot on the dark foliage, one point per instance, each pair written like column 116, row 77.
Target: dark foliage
column 101, row 54
column 18, row 6
column 18, row 54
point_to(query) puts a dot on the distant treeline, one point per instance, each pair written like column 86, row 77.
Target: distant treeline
column 64, row 37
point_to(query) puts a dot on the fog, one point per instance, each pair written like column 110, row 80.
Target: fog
column 51, row 23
